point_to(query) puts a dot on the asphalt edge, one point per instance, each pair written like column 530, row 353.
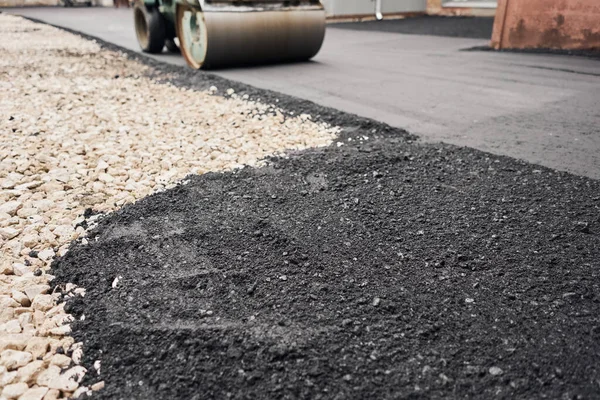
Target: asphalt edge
column 590, row 54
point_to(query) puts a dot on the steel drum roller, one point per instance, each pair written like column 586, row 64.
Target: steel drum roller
column 215, row 34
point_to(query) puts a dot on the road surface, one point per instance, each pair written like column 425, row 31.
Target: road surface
column 541, row 108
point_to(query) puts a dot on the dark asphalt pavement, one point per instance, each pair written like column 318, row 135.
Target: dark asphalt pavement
column 541, row 108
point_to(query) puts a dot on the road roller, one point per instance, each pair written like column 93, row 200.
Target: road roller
column 222, row 33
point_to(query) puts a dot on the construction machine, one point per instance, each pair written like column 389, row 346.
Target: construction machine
column 222, row 33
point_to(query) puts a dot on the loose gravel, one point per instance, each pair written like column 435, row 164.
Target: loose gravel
column 85, row 130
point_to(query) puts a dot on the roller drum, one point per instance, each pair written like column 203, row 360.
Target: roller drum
column 228, row 38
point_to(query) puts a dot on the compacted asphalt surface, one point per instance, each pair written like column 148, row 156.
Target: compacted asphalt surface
column 540, row 108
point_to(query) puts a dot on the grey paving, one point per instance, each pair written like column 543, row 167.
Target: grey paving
column 464, row 27
column 541, row 108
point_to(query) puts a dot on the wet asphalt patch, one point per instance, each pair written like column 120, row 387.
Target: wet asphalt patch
column 381, row 268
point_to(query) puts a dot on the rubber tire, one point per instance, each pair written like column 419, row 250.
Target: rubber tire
column 153, row 40
column 171, row 46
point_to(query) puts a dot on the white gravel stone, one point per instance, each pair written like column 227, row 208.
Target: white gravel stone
column 6, row 267
column 10, row 207
column 65, row 232
column 25, row 318
column 48, row 376
column 60, row 331
column 30, row 240
column 9, row 232
column 78, row 138
column 68, row 381
column 81, row 391
column 60, row 360
column 97, row 366
column 12, row 326
column 43, row 302
column 20, row 297
column 38, row 346
column 29, row 372
column 37, row 393
column 77, row 355
column 7, row 301
column 13, row 359
column 53, row 394
column 14, row 342
column 46, row 254
column 20, row 269
column 27, row 212
column 34, row 290
column 496, row 371
column 6, row 314
column 115, row 282
column 7, row 377
column 14, row 390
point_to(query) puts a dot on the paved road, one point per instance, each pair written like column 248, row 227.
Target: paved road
column 541, row 108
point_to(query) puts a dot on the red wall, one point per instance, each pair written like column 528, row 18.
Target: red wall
column 554, row 24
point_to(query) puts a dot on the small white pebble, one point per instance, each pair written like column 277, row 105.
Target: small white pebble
column 115, row 282
column 97, row 365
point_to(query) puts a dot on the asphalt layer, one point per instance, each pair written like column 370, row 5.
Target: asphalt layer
column 465, row 27
column 379, row 268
